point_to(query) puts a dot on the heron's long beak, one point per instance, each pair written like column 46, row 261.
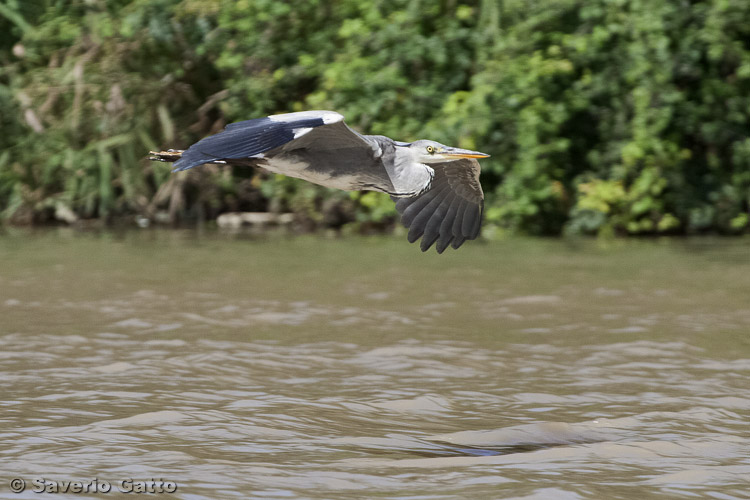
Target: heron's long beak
column 463, row 153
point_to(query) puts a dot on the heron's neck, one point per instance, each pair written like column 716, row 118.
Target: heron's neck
column 409, row 176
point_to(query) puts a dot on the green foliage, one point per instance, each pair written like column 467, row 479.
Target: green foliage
column 602, row 116
column 639, row 108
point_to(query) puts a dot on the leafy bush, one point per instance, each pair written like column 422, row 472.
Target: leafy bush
column 602, row 116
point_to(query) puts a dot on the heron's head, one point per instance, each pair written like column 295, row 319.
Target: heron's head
column 433, row 152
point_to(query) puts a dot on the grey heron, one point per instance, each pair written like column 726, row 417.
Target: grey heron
column 436, row 187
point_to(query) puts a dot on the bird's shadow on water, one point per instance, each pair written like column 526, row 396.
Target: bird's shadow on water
column 448, row 450
column 436, row 450
column 431, row 449
column 506, row 441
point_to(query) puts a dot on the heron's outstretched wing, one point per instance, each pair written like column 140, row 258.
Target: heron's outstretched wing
column 252, row 138
column 450, row 212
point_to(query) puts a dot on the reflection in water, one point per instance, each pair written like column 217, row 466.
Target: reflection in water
column 318, row 369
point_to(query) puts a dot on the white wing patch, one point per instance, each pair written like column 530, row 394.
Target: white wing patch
column 299, row 132
column 328, row 117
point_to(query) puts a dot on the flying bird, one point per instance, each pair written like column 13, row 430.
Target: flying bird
column 436, row 187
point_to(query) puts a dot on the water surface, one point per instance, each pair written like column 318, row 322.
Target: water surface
column 362, row 368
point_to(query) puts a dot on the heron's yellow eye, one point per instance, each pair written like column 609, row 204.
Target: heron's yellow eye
column 430, row 149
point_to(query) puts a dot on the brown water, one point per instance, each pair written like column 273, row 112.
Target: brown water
column 362, row 368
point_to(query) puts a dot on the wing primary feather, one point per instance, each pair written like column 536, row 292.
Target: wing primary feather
column 427, row 241
column 446, row 226
column 470, row 216
column 443, row 243
column 403, row 203
column 477, row 222
column 434, row 225
column 459, row 219
column 413, row 210
column 419, row 224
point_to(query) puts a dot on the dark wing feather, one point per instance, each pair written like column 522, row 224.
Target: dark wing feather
column 446, row 226
column 419, row 224
column 251, row 138
column 450, row 212
column 417, row 205
column 459, row 219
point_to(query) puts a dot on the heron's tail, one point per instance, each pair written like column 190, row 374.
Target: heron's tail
column 170, row 155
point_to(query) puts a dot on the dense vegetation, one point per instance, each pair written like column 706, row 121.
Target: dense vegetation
column 609, row 116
